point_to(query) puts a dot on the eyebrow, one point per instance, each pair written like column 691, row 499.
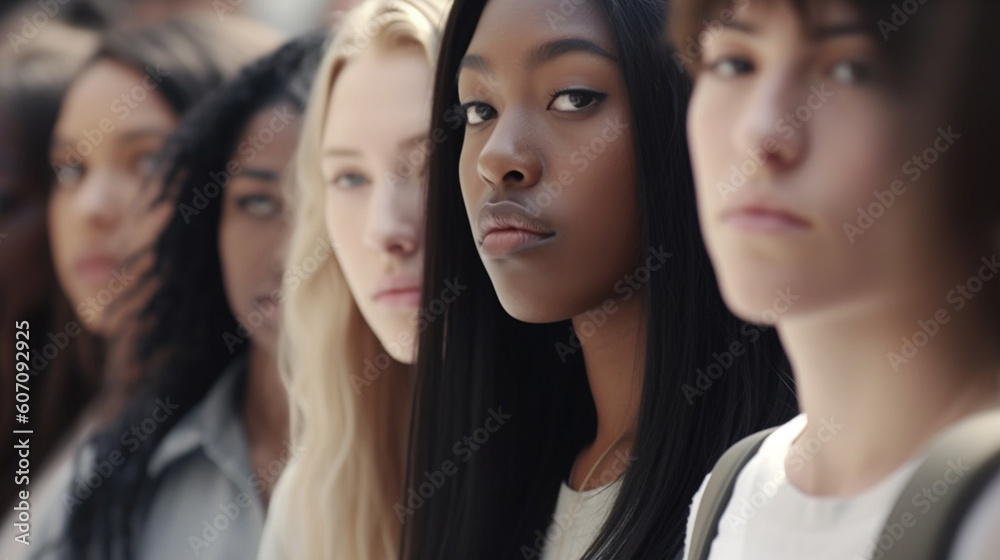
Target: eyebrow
column 341, row 152
column 817, row 33
column 412, row 141
column 540, row 55
column 259, row 174
column 554, row 49
column 133, row 135
column 839, row 30
column 130, row 136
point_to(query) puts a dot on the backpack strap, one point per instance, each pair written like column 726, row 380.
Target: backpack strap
column 965, row 459
column 718, row 492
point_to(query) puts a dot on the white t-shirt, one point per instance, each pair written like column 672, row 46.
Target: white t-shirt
column 577, row 520
column 768, row 518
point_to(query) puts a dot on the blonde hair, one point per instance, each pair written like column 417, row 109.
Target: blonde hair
column 350, row 443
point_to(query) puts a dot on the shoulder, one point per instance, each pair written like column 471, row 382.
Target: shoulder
column 979, row 539
column 775, row 445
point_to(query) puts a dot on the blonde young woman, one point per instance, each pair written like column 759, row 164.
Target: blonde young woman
column 351, row 319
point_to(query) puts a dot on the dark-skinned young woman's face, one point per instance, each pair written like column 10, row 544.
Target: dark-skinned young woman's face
column 547, row 166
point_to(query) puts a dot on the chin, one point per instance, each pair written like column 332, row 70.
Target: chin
column 399, row 343
column 403, row 354
column 751, row 301
column 528, row 308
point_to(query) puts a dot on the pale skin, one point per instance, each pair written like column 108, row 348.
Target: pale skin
column 854, row 301
column 376, row 125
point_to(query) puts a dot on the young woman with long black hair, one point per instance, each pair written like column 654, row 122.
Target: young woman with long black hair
column 588, row 368
column 867, row 136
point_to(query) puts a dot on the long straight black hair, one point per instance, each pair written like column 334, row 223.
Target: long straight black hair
column 476, row 361
column 183, row 344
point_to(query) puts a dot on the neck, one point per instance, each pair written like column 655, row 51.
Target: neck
column 873, row 401
column 264, row 411
column 614, row 355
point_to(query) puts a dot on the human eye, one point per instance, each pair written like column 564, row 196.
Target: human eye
column 730, row 67
column 575, row 100
column 67, row 174
column 259, row 205
column 852, row 72
column 349, row 180
column 477, row 112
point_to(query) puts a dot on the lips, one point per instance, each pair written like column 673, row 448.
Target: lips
column 95, row 267
column 398, row 291
column 507, row 228
column 762, row 217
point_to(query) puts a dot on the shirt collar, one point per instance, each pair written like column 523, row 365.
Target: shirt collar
column 214, row 425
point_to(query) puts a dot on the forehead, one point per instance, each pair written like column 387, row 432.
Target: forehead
column 379, row 95
column 274, row 129
column 111, row 91
column 512, row 27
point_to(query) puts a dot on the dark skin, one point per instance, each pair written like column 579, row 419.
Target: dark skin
column 253, row 233
column 549, row 139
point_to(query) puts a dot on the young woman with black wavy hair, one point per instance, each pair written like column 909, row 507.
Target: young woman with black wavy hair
column 207, row 433
column 590, row 347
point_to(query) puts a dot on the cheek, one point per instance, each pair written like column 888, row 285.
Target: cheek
column 231, row 253
column 468, row 175
column 848, row 175
column 345, row 219
column 710, row 124
column 60, row 224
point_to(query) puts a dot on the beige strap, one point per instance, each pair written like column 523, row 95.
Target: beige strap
column 960, row 464
column 718, row 492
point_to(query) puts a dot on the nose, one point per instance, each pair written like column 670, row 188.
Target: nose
column 770, row 125
column 509, row 158
column 100, row 198
column 393, row 222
